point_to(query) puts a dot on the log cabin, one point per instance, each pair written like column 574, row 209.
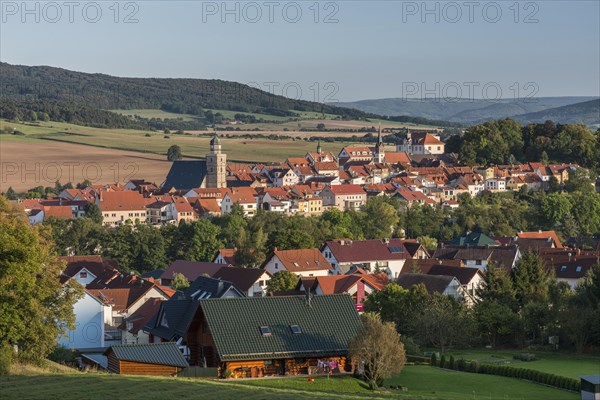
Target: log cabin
column 159, row 359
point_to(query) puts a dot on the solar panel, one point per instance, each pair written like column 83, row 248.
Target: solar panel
column 295, row 329
column 265, row 331
column 395, row 249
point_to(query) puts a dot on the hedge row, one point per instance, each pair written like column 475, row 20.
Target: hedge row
column 418, row 359
column 544, row 378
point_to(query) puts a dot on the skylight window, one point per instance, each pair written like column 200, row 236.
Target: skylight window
column 395, row 249
column 265, row 331
column 295, row 329
column 578, row 269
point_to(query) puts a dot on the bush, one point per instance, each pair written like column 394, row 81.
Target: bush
column 227, row 373
column 451, row 363
column 7, row 356
column 474, row 366
column 443, row 361
column 525, row 357
column 410, row 346
column 433, row 359
column 62, row 355
column 461, row 364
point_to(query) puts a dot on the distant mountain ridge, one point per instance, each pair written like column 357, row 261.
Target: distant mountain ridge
column 587, row 112
column 475, row 111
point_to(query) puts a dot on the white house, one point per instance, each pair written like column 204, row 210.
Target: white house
column 91, row 314
column 302, row 262
column 387, row 255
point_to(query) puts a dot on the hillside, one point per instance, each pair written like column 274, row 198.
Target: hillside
column 184, row 96
column 465, row 110
column 587, row 112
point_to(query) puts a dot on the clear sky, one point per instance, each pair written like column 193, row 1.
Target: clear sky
column 337, row 50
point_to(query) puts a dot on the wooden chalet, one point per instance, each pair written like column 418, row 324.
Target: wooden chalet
column 160, row 359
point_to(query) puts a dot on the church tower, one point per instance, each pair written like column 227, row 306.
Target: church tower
column 379, row 148
column 216, row 163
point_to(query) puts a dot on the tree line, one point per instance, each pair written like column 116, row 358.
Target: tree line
column 523, row 307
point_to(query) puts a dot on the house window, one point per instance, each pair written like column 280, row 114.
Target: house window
column 295, row 329
column 478, row 262
column 563, row 268
column 265, row 331
column 276, row 265
column 83, row 275
column 578, row 269
column 261, row 283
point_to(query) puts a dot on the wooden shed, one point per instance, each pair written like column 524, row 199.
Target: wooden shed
column 163, row 359
column 590, row 387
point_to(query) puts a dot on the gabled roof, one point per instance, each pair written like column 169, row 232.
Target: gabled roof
column 337, row 284
column 356, row 251
column 346, row 189
column 464, row 274
column 301, row 260
column 142, row 315
column 122, row 201
column 94, row 263
column 541, row 235
column 433, row 283
column 242, row 278
column 62, row 212
column 474, row 239
column 153, row 353
column 327, row 324
column 186, row 174
column 191, row 269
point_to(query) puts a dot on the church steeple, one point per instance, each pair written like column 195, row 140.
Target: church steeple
column 319, row 150
column 216, row 163
column 379, row 147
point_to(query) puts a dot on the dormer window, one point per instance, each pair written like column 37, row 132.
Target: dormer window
column 295, row 329
column 265, row 330
column 83, row 275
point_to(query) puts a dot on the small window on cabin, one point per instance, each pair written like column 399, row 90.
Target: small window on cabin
column 265, row 331
column 295, row 329
column 563, row 268
column 578, row 269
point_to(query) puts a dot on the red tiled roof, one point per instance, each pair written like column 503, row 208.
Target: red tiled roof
column 346, row 189
column 142, row 315
column 122, row 201
column 541, row 235
column 64, row 212
column 356, row 251
column 302, row 260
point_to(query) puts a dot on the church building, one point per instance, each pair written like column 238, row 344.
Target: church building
column 207, row 173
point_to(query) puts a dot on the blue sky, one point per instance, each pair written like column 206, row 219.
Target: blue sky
column 355, row 49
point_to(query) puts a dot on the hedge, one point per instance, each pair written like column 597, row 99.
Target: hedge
column 544, row 378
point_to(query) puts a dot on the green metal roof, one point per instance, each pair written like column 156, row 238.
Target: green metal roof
column 326, row 325
column 153, row 353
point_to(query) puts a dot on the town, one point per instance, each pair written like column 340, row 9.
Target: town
column 139, row 318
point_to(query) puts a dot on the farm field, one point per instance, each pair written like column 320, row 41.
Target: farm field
column 423, row 382
column 27, row 163
column 568, row 365
column 250, row 150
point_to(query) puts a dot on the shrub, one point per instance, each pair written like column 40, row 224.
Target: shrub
column 525, row 357
column 443, row 361
column 62, row 355
column 474, row 366
column 7, row 356
column 410, row 346
column 461, row 364
column 433, row 359
column 451, row 363
column 227, row 373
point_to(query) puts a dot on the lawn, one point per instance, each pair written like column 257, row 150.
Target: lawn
column 423, row 382
column 566, row 364
column 435, row 382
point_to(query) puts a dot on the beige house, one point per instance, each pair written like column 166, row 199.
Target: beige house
column 120, row 207
column 344, row 197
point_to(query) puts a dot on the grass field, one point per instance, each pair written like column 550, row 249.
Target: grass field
column 155, row 114
column 569, row 365
column 423, row 382
column 250, row 150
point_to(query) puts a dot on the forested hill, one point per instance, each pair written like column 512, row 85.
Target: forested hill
column 189, row 96
column 587, row 112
